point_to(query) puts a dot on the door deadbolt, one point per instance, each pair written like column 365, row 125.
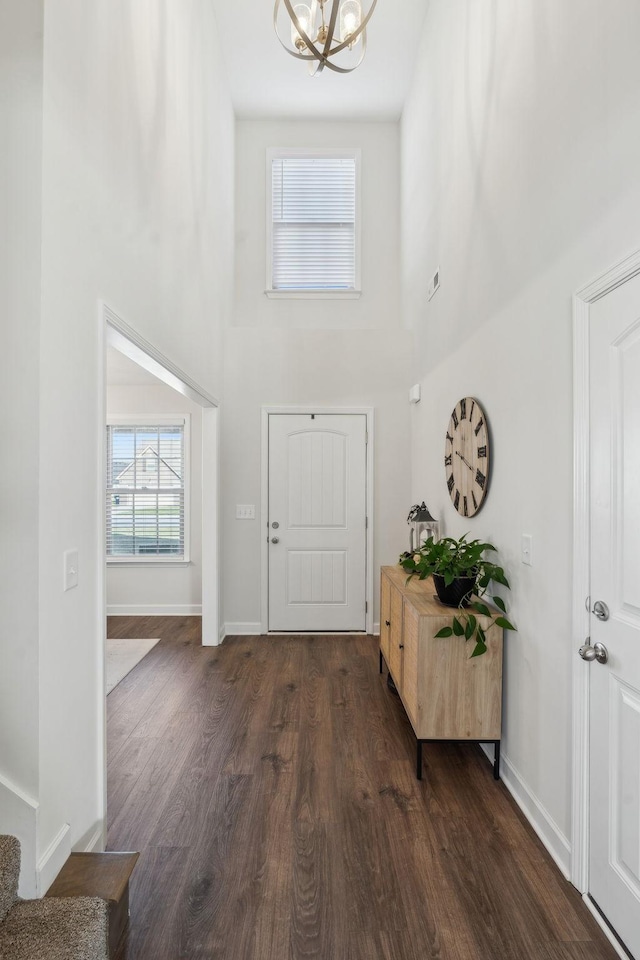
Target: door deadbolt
column 601, row 610
column 275, row 524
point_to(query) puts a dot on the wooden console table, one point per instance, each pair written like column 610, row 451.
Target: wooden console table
column 446, row 695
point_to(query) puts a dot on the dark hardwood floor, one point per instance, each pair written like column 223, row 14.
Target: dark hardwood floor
column 269, row 785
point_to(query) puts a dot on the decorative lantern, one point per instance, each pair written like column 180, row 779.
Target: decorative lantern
column 422, row 526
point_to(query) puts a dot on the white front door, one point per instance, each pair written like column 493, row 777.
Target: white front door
column 614, row 802
column 317, row 521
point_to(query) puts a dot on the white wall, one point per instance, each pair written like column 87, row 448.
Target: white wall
column 161, row 589
column 330, row 353
column 20, row 203
column 137, row 210
column 521, row 151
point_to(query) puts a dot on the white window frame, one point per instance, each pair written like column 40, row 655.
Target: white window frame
column 347, row 153
column 167, row 420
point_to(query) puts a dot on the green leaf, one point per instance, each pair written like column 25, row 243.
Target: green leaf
column 445, row 632
column 504, row 623
column 468, row 632
column 448, row 578
column 458, row 629
column 479, row 649
column 482, row 609
column 499, row 602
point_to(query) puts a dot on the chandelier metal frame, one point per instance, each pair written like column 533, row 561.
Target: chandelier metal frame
column 320, row 54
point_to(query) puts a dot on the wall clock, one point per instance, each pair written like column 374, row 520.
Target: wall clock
column 466, row 457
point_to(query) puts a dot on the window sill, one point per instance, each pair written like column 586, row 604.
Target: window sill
column 313, row 294
column 147, row 562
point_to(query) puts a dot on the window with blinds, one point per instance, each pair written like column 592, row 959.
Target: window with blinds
column 313, row 223
column 146, row 491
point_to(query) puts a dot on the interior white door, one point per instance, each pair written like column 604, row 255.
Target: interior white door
column 614, row 801
column 317, row 522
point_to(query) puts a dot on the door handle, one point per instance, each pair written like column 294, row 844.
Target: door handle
column 275, row 540
column 596, row 652
column 388, row 622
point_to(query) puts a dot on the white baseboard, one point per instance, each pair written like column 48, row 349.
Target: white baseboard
column 19, row 818
column 540, row 819
column 53, row 859
column 376, row 630
column 606, row 929
column 96, row 842
column 154, row 610
column 241, row 629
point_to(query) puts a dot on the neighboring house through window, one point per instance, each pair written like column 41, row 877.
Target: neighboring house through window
column 313, row 243
column 147, row 489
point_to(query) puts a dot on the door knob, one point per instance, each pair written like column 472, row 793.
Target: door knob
column 596, row 652
column 388, row 622
column 601, row 610
column 275, row 540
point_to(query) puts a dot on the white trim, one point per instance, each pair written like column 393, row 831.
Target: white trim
column 548, row 831
column 96, row 842
column 313, row 294
column 618, row 274
column 606, row 929
column 128, row 341
column 19, row 817
column 376, row 630
column 154, row 610
column 53, row 859
column 242, row 629
column 101, row 567
column 339, row 153
column 321, row 410
column 210, row 527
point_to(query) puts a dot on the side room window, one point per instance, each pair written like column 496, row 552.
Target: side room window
column 313, row 228
column 147, row 490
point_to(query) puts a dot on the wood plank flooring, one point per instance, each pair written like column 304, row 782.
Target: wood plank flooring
column 269, row 784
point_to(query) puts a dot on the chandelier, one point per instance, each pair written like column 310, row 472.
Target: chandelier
column 319, row 30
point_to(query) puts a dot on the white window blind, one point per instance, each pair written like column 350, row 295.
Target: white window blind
column 145, row 491
column 313, row 223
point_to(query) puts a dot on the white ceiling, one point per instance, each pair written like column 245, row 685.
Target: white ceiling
column 266, row 82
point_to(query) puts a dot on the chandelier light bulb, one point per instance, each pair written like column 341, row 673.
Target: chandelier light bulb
column 350, row 19
column 304, row 22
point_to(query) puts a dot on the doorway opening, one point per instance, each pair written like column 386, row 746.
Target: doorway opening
column 127, row 356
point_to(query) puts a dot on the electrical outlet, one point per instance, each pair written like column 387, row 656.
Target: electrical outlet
column 245, row 511
column 70, row 564
column 527, row 549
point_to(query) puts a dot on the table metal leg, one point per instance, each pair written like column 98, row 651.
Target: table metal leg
column 496, row 761
column 419, row 761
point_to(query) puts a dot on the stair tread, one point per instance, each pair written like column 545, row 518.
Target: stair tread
column 104, row 875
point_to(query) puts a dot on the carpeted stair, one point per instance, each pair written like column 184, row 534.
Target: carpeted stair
column 56, row 928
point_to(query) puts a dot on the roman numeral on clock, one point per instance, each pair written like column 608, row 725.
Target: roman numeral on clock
column 449, row 437
column 473, row 406
column 475, row 502
column 482, row 451
column 480, row 478
column 448, row 459
column 465, row 507
column 478, row 427
column 454, row 417
column 456, row 499
column 463, row 409
column 450, row 483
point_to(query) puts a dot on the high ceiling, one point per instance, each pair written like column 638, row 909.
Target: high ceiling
column 266, row 82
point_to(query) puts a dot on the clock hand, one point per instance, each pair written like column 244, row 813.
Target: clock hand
column 464, row 460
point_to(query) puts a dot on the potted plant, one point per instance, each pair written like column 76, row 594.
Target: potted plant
column 461, row 575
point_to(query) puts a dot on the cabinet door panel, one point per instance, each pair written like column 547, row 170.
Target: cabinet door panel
column 385, row 615
column 410, row 640
column 395, row 637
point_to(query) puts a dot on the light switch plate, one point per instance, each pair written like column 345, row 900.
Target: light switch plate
column 70, row 560
column 245, row 511
column 527, row 549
